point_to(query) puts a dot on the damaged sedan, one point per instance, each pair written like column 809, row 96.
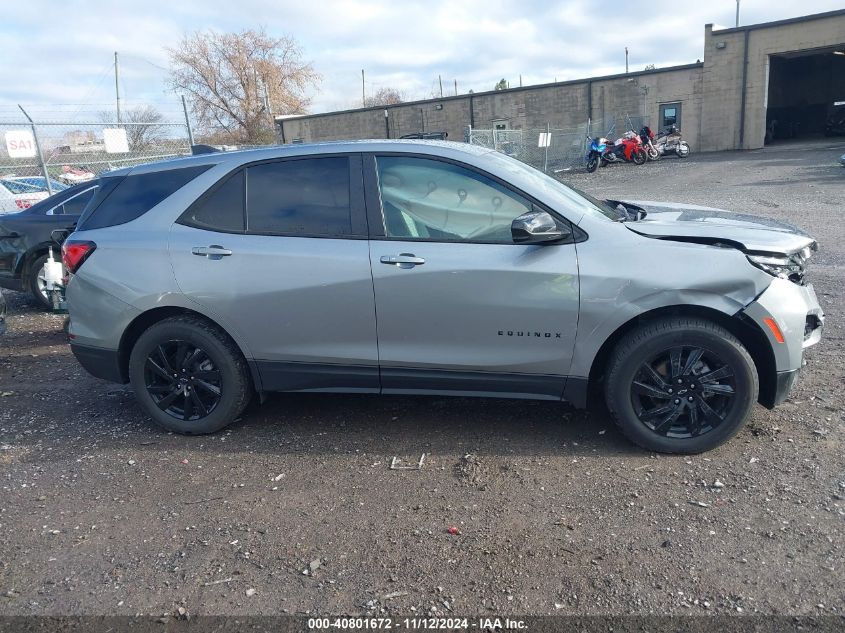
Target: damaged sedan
column 424, row 267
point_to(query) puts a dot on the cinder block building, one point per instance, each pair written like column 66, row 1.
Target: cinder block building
column 759, row 82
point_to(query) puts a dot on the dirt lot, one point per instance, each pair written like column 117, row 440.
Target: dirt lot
column 294, row 509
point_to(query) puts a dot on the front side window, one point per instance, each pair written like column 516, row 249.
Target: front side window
column 433, row 200
column 308, row 197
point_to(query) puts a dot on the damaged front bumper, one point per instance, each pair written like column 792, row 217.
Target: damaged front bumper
column 792, row 320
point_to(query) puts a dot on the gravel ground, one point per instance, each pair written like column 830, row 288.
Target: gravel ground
column 294, row 509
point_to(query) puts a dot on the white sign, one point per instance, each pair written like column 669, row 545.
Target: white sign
column 115, row 140
column 20, row 144
column 545, row 139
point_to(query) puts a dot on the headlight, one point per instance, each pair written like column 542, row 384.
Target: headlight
column 791, row 267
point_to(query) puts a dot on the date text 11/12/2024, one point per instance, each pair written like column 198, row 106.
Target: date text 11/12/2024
column 416, row 623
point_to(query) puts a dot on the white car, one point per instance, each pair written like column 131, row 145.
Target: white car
column 17, row 195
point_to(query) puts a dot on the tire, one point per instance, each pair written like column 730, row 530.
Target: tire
column 657, row 412
column 682, row 150
column 593, row 163
column 653, row 154
column 35, row 283
column 209, row 385
column 639, row 156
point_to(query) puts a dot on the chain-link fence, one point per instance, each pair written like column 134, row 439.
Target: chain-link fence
column 553, row 149
column 42, row 157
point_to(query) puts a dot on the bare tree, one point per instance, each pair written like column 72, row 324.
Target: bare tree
column 384, row 96
column 236, row 81
column 148, row 126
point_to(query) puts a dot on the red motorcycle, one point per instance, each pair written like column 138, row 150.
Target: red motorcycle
column 629, row 148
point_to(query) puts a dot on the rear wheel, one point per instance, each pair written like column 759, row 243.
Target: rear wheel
column 37, row 283
column 681, row 385
column 189, row 376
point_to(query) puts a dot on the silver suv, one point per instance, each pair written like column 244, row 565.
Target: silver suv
column 417, row 267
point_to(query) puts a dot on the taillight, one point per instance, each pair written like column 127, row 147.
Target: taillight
column 24, row 204
column 74, row 253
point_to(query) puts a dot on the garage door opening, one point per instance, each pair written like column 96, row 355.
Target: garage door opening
column 806, row 94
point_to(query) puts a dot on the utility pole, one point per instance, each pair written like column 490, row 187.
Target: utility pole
column 187, row 121
column 38, row 149
column 440, row 79
column 363, row 91
column 117, row 84
column 626, row 60
column 456, row 87
column 737, row 13
column 520, row 80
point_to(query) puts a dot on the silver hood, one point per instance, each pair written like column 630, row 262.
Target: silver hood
column 687, row 222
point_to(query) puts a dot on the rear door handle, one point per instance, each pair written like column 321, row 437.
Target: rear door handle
column 214, row 251
column 402, row 260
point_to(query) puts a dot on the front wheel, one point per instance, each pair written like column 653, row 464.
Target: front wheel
column 593, row 162
column 639, row 156
column 189, row 376
column 682, row 150
column 653, row 154
column 680, row 385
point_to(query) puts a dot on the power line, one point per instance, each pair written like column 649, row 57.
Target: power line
column 143, row 59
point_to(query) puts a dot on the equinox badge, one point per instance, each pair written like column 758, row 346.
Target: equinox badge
column 530, row 333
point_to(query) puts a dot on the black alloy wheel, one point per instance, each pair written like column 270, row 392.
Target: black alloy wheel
column 189, row 376
column 683, row 392
column 182, row 380
column 680, row 384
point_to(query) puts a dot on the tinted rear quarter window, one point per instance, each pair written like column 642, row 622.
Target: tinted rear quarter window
column 76, row 204
column 121, row 200
column 299, row 197
column 221, row 210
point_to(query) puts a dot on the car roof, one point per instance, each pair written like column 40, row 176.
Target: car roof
column 238, row 157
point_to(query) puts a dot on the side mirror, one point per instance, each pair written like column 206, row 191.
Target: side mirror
column 538, row 227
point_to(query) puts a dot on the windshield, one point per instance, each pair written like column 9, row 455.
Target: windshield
column 21, row 187
column 38, row 181
column 569, row 200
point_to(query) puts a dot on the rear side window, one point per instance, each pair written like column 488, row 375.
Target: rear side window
column 221, row 210
column 76, row 204
column 131, row 197
column 308, row 197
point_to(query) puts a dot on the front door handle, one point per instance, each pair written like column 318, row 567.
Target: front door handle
column 214, row 251
column 402, row 260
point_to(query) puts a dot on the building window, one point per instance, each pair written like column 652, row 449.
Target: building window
column 670, row 114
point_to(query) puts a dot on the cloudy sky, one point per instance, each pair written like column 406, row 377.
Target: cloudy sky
column 57, row 57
